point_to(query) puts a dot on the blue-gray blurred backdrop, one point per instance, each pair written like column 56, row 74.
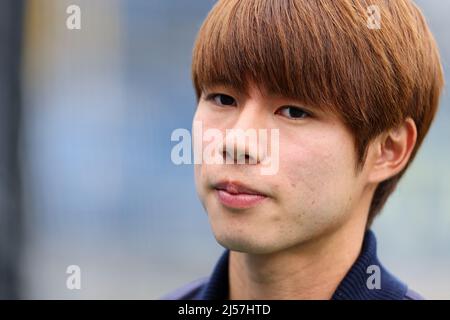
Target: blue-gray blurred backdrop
column 99, row 188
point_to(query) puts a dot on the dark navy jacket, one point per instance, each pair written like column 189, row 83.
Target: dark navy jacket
column 352, row 287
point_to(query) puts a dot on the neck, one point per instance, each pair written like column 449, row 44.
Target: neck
column 311, row 270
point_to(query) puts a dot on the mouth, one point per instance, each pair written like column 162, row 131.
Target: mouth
column 237, row 195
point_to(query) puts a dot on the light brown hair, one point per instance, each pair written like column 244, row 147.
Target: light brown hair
column 322, row 53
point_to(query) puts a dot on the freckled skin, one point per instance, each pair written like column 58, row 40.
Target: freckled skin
column 314, row 191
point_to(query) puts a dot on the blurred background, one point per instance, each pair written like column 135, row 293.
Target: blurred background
column 86, row 174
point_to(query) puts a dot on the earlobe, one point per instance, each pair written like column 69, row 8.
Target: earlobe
column 392, row 151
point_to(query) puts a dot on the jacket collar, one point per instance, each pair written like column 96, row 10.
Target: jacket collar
column 352, row 287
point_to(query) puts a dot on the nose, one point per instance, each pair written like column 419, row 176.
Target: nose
column 244, row 143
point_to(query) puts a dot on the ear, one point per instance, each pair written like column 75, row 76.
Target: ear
column 391, row 151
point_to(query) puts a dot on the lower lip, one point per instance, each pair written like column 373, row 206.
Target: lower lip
column 239, row 201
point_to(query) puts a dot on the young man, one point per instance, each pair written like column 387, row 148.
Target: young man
column 352, row 88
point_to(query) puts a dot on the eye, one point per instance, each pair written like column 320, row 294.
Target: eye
column 292, row 112
column 221, row 99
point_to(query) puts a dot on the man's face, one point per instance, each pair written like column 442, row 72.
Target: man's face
column 314, row 191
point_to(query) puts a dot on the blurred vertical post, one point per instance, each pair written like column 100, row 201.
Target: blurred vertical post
column 10, row 213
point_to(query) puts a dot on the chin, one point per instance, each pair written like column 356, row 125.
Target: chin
column 246, row 244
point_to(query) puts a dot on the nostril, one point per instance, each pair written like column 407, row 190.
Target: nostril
column 235, row 157
column 228, row 157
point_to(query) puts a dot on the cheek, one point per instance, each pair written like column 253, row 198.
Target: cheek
column 318, row 173
column 199, row 182
column 197, row 174
column 209, row 117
